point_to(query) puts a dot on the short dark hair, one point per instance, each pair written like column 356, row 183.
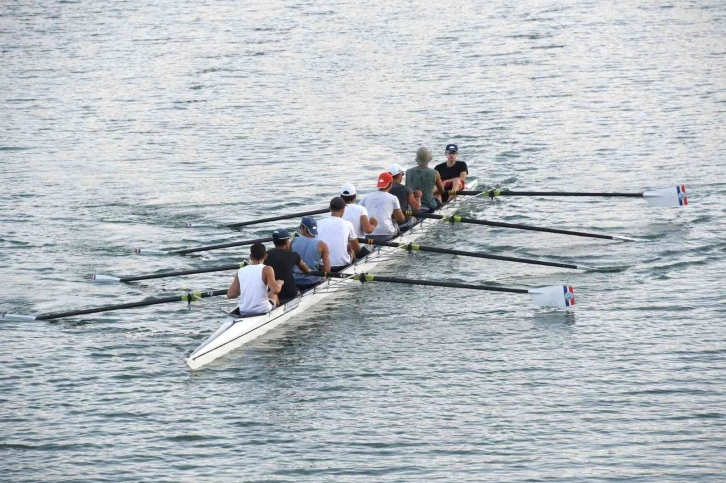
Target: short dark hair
column 337, row 204
column 257, row 251
column 348, row 198
column 280, row 243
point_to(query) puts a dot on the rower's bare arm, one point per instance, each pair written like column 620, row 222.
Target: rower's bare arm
column 439, row 183
column 268, row 276
column 398, row 215
column 368, row 225
column 303, row 267
column 354, row 245
column 325, row 253
column 233, row 290
column 414, row 200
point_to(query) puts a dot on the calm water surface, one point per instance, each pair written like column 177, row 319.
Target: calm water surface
column 121, row 121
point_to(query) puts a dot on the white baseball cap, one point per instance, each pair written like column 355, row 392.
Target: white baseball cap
column 395, row 169
column 347, row 189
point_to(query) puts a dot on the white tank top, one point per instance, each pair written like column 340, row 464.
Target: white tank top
column 253, row 298
column 336, row 233
column 353, row 213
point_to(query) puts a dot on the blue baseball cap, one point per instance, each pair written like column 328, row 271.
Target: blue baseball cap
column 451, row 148
column 310, row 223
column 280, row 234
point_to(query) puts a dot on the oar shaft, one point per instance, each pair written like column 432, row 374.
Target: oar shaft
column 187, row 251
column 518, row 226
column 276, row 218
column 143, row 303
column 448, row 251
column 181, row 273
column 430, row 283
column 366, row 277
column 546, row 193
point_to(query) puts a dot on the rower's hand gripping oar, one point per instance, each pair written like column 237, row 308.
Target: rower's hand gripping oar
column 550, row 296
column 186, row 251
column 416, row 247
column 518, row 226
column 187, row 297
column 673, row 196
column 98, row 278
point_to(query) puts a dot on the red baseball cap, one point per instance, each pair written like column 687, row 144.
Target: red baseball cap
column 384, row 179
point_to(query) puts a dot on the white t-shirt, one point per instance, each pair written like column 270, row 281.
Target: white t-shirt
column 353, row 213
column 336, row 233
column 380, row 205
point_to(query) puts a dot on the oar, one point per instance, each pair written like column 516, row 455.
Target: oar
column 276, row 218
column 673, row 196
column 415, row 247
column 135, row 278
column 518, row 226
column 186, row 251
column 188, row 297
column 550, row 296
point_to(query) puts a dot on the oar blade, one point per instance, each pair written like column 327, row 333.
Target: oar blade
column 17, row 317
column 150, row 251
column 553, row 296
column 673, row 196
column 99, row 278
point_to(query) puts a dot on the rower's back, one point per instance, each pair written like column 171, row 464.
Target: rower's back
column 253, row 291
column 424, row 179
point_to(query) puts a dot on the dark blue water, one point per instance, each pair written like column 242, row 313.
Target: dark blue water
column 120, row 122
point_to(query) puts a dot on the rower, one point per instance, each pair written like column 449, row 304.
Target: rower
column 407, row 198
column 425, row 179
column 385, row 207
column 357, row 215
column 255, row 285
column 453, row 173
column 283, row 260
column 339, row 235
column 313, row 251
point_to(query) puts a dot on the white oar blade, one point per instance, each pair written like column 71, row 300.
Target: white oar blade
column 17, row 317
column 553, row 296
column 673, row 196
column 97, row 278
column 149, row 251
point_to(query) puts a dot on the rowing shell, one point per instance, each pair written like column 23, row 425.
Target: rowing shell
column 237, row 332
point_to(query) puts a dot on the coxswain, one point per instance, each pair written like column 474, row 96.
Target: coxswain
column 427, row 180
column 255, row 285
column 283, row 260
column 408, row 198
column 453, row 173
column 313, row 251
column 357, row 215
column 384, row 207
column 339, row 235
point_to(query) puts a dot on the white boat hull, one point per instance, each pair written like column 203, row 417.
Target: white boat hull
column 237, row 332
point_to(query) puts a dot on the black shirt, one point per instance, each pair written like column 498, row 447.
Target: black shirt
column 282, row 262
column 452, row 172
column 401, row 192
